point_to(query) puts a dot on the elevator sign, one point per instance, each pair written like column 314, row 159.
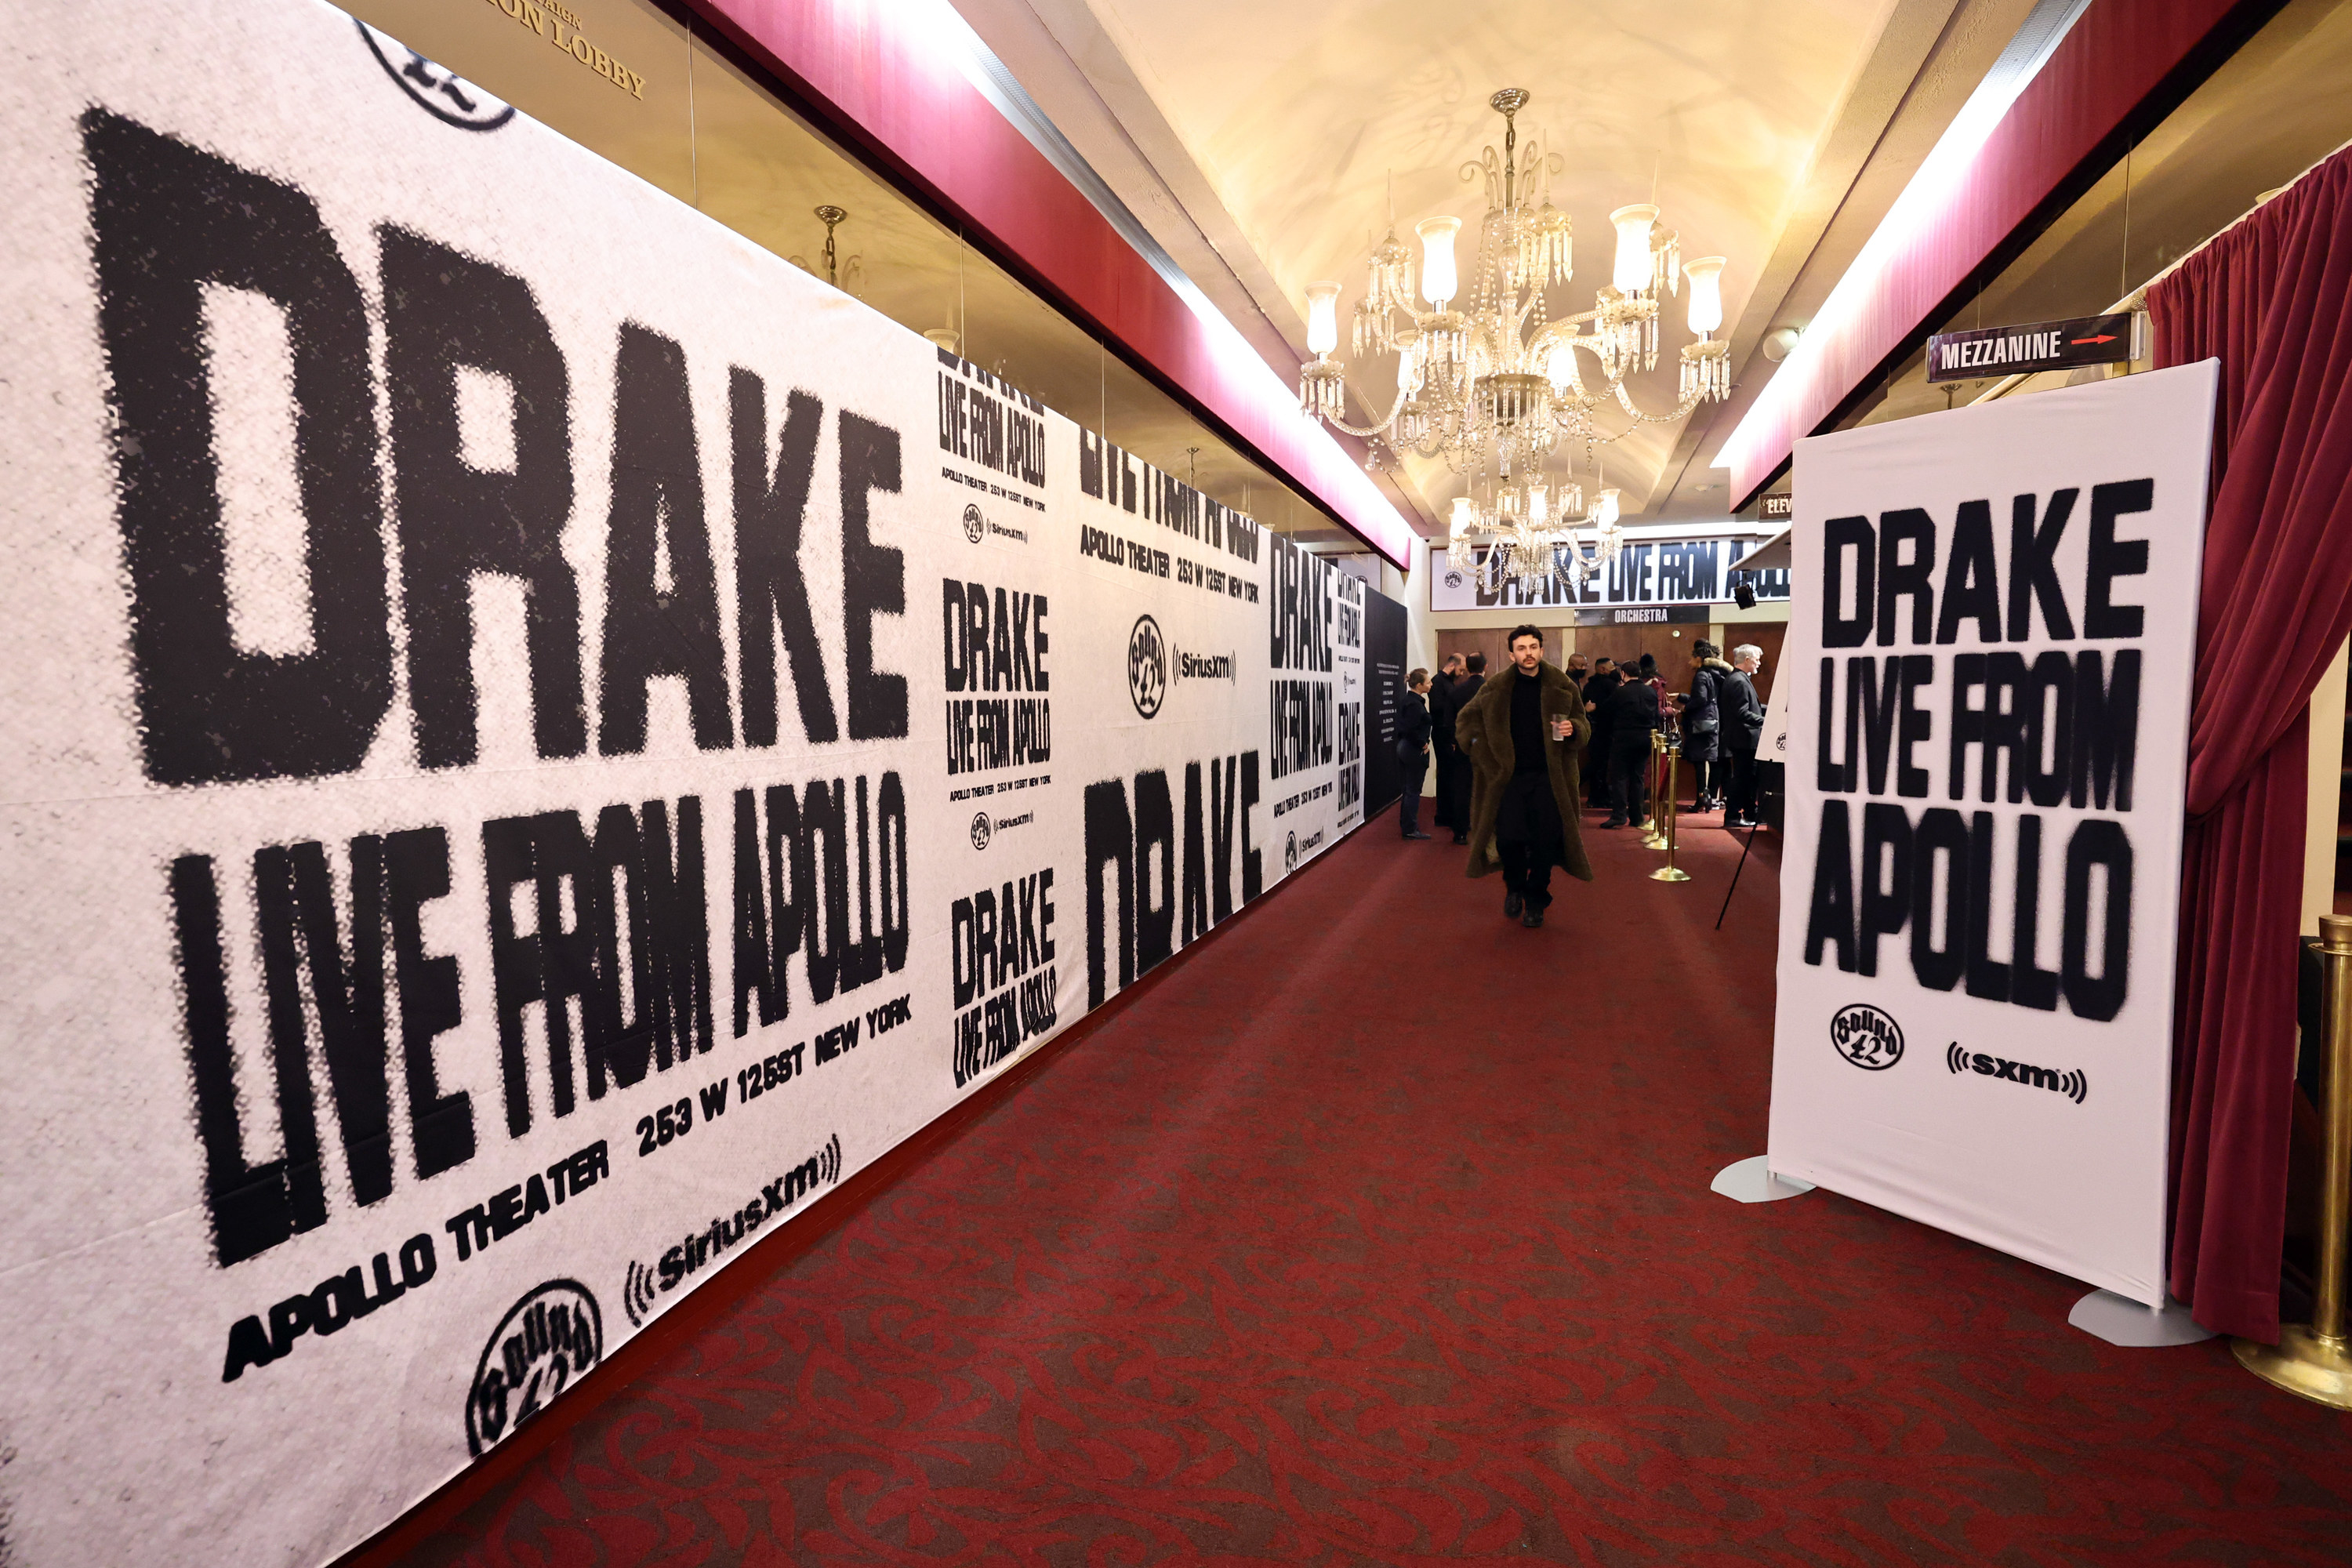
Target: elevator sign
column 2040, row 345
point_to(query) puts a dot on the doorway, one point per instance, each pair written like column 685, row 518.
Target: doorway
column 1491, row 642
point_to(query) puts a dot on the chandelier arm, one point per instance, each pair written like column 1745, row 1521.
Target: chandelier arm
column 1552, row 333
column 1625, row 400
column 1369, row 431
column 1568, row 324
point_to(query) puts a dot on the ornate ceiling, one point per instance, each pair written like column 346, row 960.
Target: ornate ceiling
column 1256, row 142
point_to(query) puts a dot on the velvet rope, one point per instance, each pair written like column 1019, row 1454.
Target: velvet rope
column 2272, row 300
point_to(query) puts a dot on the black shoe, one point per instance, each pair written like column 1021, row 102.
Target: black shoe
column 1614, row 822
column 1512, row 905
column 1532, row 919
column 1420, row 836
column 1461, row 839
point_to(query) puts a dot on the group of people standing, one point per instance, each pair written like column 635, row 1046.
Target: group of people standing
column 1717, row 724
column 1515, row 756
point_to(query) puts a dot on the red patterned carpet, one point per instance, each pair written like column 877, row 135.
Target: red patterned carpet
column 1380, row 1233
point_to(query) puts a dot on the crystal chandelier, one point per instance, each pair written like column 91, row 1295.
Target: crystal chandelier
column 1495, row 385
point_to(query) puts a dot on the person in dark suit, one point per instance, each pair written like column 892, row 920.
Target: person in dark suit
column 1633, row 713
column 1453, row 764
column 1412, row 750
column 1441, row 684
column 1604, row 680
column 1743, row 727
column 1442, row 706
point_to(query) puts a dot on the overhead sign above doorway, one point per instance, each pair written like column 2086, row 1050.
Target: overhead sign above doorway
column 1651, row 571
column 1986, row 352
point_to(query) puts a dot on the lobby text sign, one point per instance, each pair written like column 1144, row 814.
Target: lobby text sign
column 1993, row 616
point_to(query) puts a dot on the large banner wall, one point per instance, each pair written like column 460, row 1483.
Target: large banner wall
column 1988, row 668
column 542, row 739
column 1385, row 633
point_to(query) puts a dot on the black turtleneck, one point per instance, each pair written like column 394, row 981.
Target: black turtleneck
column 1527, row 724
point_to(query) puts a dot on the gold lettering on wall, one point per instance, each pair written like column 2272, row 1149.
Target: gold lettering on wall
column 560, row 26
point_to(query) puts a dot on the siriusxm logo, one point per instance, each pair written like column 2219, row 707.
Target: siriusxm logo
column 1204, row 666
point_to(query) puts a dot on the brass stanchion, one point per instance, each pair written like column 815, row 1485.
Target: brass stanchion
column 1654, row 837
column 1670, row 872
column 2313, row 1359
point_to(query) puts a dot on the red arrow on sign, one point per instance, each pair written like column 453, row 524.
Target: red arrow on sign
column 2108, row 339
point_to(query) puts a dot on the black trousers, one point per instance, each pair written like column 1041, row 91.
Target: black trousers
column 1706, row 776
column 1527, row 834
column 1415, row 768
column 1739, row 802
column 1527, row 871
column 1453, row 789
column 1597, row 780
column 1629, row 777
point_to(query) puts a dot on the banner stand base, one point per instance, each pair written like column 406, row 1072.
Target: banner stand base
column 1751, row 1181
column 2120, row 1320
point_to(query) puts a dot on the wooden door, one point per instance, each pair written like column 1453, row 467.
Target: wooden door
column 1487, row 640
column 1492, row 642
column 1670, row 645
column 1766, row 634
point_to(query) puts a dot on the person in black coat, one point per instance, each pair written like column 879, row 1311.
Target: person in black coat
column 1441, row 685
column 1604, row 680
column 1442, row 706
column 1633, row 715
column 1453, row 764
column 1743, row 728
column 1412, row 749
column 1702, row 726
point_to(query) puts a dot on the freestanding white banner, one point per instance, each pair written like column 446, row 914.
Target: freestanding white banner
column 541, row 739
column 1993, row 617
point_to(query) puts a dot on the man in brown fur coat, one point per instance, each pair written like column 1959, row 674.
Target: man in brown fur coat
column 1523, row 733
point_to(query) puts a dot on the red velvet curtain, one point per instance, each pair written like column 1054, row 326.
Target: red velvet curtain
column 2272, row 300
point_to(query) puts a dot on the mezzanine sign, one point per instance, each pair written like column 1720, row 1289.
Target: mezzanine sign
column 2040, row 345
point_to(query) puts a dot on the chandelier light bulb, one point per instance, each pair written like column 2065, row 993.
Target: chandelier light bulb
column 1408, row 347
column 1465, row 517
column 1559, row 369
column 1437, row 277
column 1604, row 510
column 1635, row 271
column 1706, row 293
column 1322, row 318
